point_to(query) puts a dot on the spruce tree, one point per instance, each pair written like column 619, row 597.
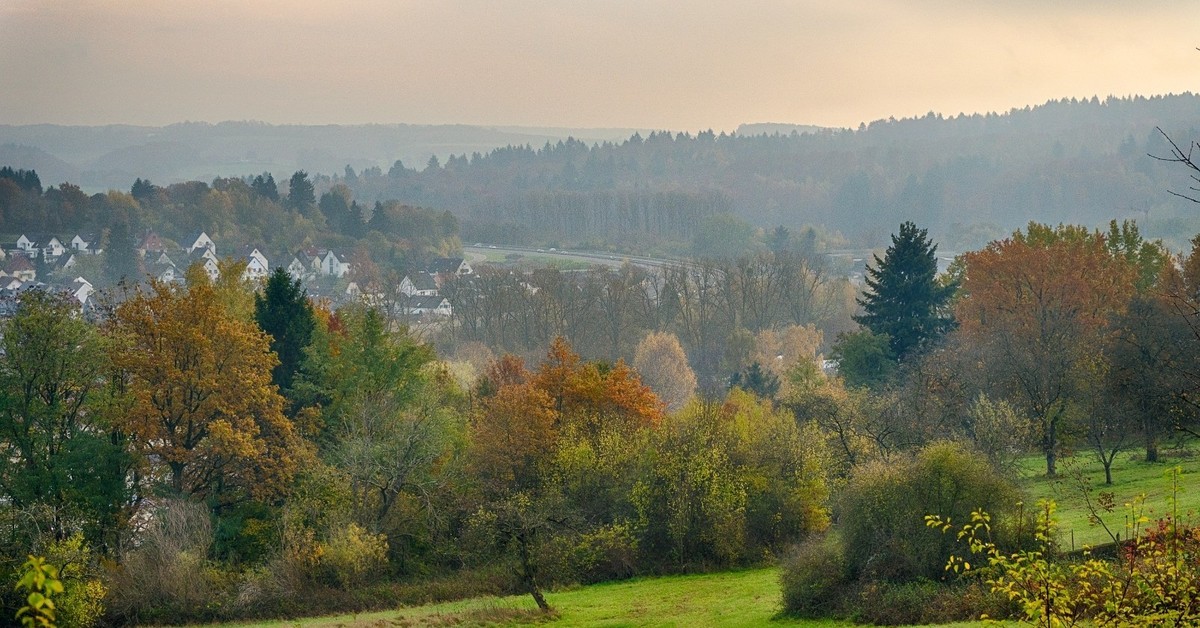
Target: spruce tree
column 282, row 311
column 904, row 299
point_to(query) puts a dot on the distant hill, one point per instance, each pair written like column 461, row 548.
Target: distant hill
column 774, row 128
column 111, row 157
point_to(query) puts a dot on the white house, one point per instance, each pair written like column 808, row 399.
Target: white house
column 25, row 244
column 201, row 241
column 81, row 289
column 86, row 244
column 418, row 284
column 256, row 265
column 331, row 266
column 51, row 247
column 450, row 266
column 427, row 306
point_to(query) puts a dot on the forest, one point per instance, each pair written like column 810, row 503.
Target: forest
column 220, row 450
column 205, row 450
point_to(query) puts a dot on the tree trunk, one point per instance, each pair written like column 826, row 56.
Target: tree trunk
column 1151, row 448
column 1108, row 471
column 1049, row 445
column 528, row 573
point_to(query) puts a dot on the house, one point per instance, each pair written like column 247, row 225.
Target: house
column 165, row 273
column 25, row 244
column 86, row 244
column 200, row 241
column 427, row 306
column 302, row 266
column 52, row 248
column 256, row 265
column 418, row 284
column 66, row 261
column 81, row 289
column 207, row 259
column 449, row 266
column 20, row 267
column 331, row 266
column 151, row 243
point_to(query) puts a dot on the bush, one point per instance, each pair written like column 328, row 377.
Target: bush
column 883, row 508
column 814, row 578
column 168, row 577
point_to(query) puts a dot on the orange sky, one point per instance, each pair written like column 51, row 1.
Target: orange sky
column 685, row 65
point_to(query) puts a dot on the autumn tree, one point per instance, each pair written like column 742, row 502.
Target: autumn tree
column 589, row 395
column 905, row 300
column 203, row 412
column 1038, row 303
column 513, row 437
column 662, row 365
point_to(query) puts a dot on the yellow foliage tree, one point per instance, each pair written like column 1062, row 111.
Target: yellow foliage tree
column 203, row 410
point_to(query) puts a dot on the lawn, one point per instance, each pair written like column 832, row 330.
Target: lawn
column 738, row 598
column 1132, row 476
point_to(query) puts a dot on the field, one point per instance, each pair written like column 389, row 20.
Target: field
column 1132, row 477
column 752, row 598
column 737, row 598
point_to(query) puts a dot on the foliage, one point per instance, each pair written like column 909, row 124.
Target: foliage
column 864, row 358
column 814, row 578
column 59, row 450
column 906, row 303
column 283, row 312
column 1152, row 581
column 81, row 602
column 1037, row 305
column 662, row 365
column 754, row 379
column 41, row 581
column 881, row 510
column 203, row 409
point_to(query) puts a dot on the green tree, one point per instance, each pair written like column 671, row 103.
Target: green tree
column 120, row 254
column 282, row 311
column 301, row 196
column 865, row 359
column 905, row 300
column 56, row 452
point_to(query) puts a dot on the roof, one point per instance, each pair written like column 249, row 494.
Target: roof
column 445, row 265
column 17, row 263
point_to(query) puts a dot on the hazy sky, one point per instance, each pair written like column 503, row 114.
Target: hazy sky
column 685, row 65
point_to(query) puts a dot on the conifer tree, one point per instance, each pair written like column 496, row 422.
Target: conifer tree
column 282, row 311
column 905, row 300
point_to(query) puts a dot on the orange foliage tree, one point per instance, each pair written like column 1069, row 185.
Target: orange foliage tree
column 1037, row 304
column 203, row 411
column 589, row 396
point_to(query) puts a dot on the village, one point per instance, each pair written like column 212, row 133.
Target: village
column 54, row 264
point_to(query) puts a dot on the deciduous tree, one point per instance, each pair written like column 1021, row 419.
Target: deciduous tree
column 1038, row 303
column 203, row 410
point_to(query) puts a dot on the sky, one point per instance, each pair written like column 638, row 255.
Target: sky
column 680, row 65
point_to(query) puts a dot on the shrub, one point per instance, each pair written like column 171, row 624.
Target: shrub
column 883, row 508
column 352, row 555
column 814, row 578
column 81, row 603
column 168, row 577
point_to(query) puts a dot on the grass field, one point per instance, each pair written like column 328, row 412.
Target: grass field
column 735, row 598
column 752, row 597
column 1132, row 476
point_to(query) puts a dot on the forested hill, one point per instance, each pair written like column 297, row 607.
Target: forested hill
column 970, row 178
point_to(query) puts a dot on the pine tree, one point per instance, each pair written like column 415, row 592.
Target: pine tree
column 282, row 311
column 905, row 300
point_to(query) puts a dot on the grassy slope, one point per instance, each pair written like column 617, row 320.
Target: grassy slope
column 739, row 598
column 1131, row 477
column 752, row 597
